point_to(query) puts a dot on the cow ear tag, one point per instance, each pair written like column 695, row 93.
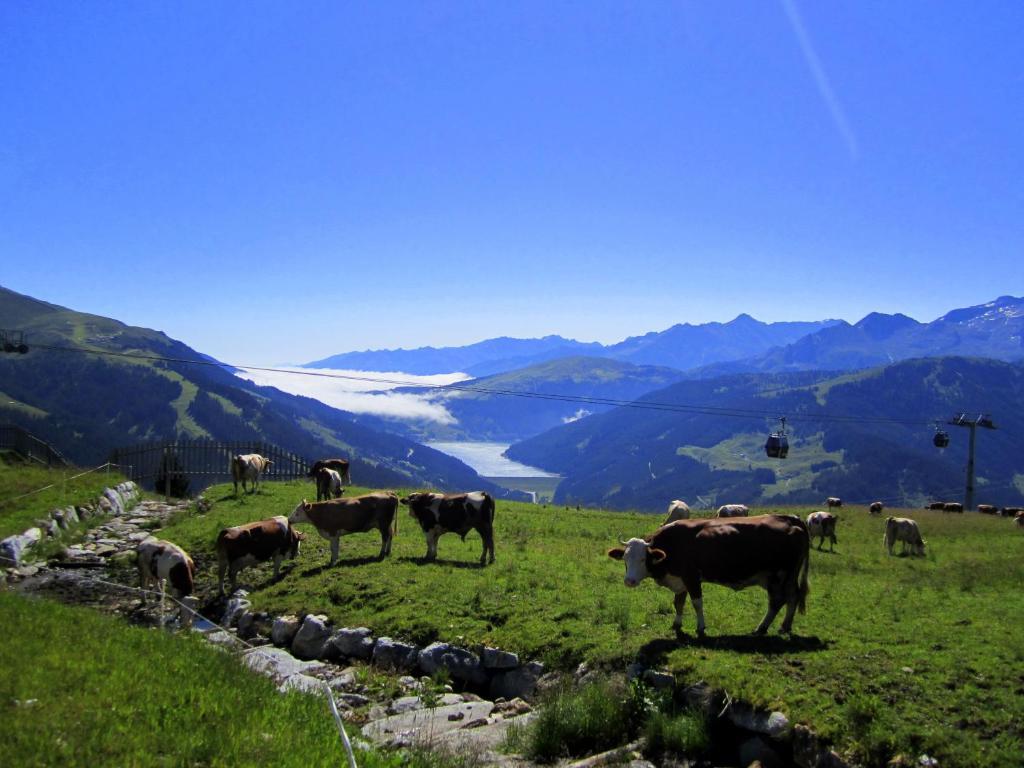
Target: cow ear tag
column 657, row 555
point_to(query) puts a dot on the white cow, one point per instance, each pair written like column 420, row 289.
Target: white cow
column 162, row 563
column 733, row 510
column 677, row 510
column 247, row 467
column 904, row 530
column 822, row 524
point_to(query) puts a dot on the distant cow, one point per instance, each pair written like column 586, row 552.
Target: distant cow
column 359, row 514
column 953, row 506
column 904, row 530
column 769, row 550
column 247, row 467
column 1019, row 520
column 876, row 508
column 162, row 563
column 732, row 510
column 459, row 513
column 833, row 501
column 338, row 465
column 939, row 505
column 328, row 484
column 988, row 509
column 823, row 524
column 253, row 543
column 677, row 510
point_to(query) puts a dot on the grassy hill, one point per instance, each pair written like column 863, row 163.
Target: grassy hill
column 98, row 391
column 894, row 655
column 629, row 458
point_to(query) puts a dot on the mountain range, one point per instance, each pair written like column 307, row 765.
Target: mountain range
column 86, row 386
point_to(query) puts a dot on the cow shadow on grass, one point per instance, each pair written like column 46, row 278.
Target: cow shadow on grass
column 656, row 650
column 351, row 562
column 472, row 564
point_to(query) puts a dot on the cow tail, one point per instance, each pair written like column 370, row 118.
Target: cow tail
column 804, row 588
column 394, row 520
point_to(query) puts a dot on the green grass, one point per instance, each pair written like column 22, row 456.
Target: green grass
column 933, row 642
column 17, row 514
column 83, row 689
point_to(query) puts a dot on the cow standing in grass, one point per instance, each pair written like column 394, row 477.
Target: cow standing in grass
column 772, row 551
column 876, row 508
column 162, row 564
column 733, row 510
column 677, row 510
column 340, row 466
column 340, row 517
column 904, row 530
column 328, row 484
column 833, row 502
column 247, row 467
column 822, row 524
column 439, row 513
column 253, row 543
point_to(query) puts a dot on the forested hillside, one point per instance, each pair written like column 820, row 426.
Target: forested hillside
column 862, row 435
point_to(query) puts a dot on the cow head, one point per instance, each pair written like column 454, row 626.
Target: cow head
column 295, row 540
column 638, row 556
column 416, row 502
column 300, row 513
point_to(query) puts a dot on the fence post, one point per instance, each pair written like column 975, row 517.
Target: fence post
column 167, row 476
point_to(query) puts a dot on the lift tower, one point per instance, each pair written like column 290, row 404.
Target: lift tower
column 963, row 420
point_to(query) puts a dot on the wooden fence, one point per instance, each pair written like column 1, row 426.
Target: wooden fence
column 16, row 439
column 189, row 466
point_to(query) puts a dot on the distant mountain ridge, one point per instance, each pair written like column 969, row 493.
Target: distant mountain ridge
column 681, row 346
column 86, row 404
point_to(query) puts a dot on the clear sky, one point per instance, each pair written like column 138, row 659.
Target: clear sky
column 274, row 182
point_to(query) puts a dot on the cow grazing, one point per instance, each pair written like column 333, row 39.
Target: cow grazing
column 833, row 501
column 247, row 467
column 876, row 508
column 328, row 484
column 904, row 530
column 677, row 510
column 823, row 524
column 988, row 509
column 953, row 506
column 459, row 513
column 732, row 510
column 340, row 517
column 1018, row 520
column 338, row 465
column 772, row 551
column 162, row 564
column 253, row 543
column 939, row 505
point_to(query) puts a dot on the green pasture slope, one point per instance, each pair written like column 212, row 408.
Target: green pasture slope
column 894, row 654
column 82, row 689
column 22, row 502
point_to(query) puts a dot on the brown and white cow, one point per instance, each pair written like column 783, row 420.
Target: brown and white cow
column 876, row 508
column 823, row 524
column 833, row 501
column 340, row 517
column 439, row 513
column 988, row 509
column 904, row 530
column 161, row 564
column 677, row 510
column 338, row 465
column 939, row 505
column 953, row 506
column 328, row 484
column 247, row 467
column 253, row 543
column 772, row 551
column 1018, row 520
column 733, row 510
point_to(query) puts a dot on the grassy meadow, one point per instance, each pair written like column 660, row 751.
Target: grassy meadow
column 17, row 479
column 895, row 654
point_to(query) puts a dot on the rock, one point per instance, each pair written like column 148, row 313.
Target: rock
column 354, row 699
column 775, row 725
column 461, row 664
column 409, row 683
column 85, row 511
column 389, row 654
column 634, row 670
column 277, row 663
column 493, row 658
column 104, row 550
column 354, row 643
column 221, row 637
column 659, row 680
column 409, row 703
column 237, row 605
column 422, row 724
column 116, row 502
column 517, row 683
column 512, row 708
column 13, row 548
column 927, row 762
column 301, row 683
column 344, row 681
column 758, row 750
column 105, row 506
column 312, row 637
column 71, row 516
column 48, row 526
column 284, row 630
column 26, row 570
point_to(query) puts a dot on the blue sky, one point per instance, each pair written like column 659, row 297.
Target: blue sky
column 274, row 182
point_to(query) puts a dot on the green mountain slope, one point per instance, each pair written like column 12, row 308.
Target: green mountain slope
column 87, row 398
column 631, row 458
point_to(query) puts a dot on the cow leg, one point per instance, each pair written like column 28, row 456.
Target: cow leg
column 776, row 599
column 488, row 539
column 680, row 603
column 385, row 543
column 432, row 537
column 335, row 541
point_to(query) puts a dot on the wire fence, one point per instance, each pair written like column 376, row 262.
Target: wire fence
column 23, row 442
